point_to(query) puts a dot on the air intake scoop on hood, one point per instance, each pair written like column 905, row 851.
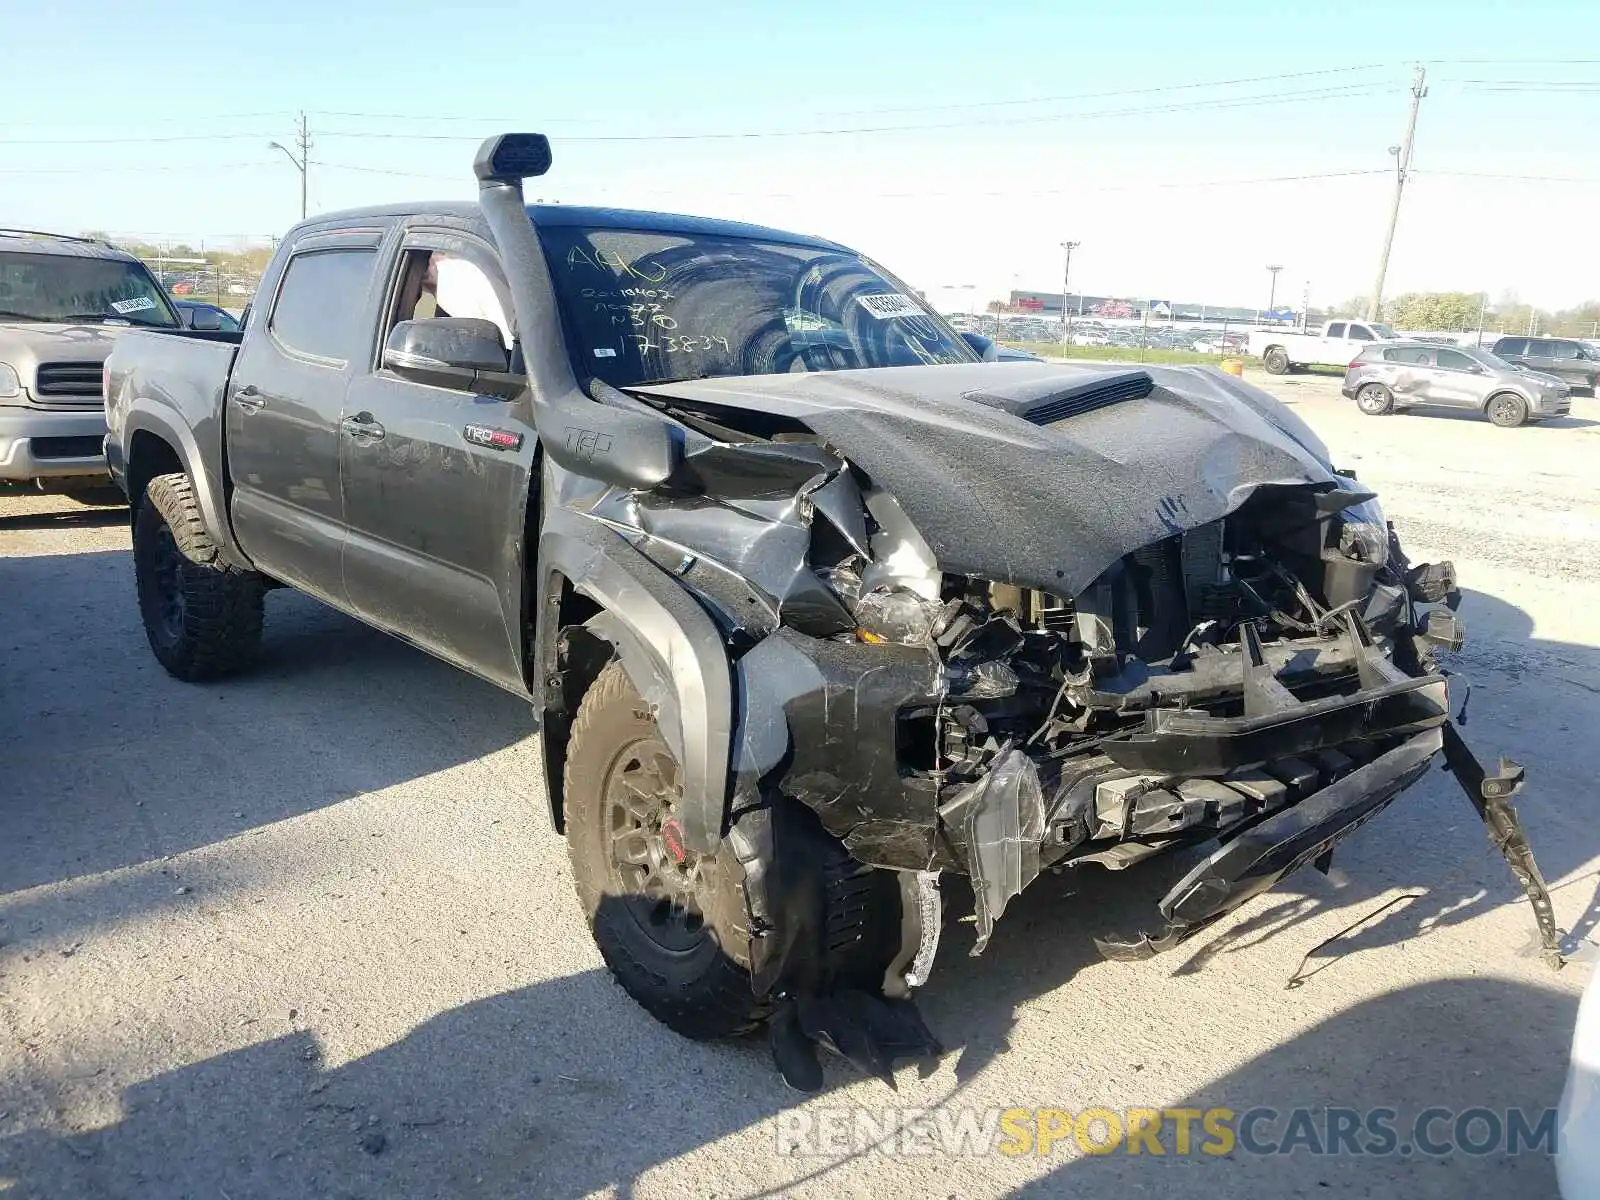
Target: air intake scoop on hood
column 1046, row 401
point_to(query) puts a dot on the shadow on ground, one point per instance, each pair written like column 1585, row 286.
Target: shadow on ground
column 110, row 762
column 67, row 518
column 1460, row 414
column 526, row 1092
column 1437, row 1044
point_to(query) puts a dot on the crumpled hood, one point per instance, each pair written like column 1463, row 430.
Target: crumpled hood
column 24, row 345
column 1048, row 506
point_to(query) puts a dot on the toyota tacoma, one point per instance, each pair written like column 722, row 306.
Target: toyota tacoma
column 814, row 601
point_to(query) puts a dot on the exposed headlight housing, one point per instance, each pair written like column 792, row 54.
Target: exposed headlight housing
column 1364, row 542
column 1364, row 534
column 10, row 382
column 897, row 614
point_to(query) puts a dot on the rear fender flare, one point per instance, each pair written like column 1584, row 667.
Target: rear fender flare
column 144, row 416
column 670, row 648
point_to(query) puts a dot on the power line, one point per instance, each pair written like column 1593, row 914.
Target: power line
column 99, row 122
column 976, row 104
column 1515, row 178
column 103, row 170
column 1275, row 98
column 130, row 141
column 1076, row 189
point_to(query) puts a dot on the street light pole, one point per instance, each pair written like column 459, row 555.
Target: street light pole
column 1066, row 280
column 303, row 142
column 1272, row 291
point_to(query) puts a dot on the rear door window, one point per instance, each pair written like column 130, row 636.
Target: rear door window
column 1507, row 346
column 1454, row 360
column 1417, row 356
column 322, row 302
column 1336, row 330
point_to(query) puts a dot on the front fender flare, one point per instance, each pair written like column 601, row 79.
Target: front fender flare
column 671, row 649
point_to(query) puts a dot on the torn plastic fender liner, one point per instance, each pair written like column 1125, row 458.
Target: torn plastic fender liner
column 818, row 721
column 670, row 648
column 999, row 820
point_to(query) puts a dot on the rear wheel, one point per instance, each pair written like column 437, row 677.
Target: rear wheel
column 1507, row 410
column 1276, row 361
column 201, row 615
column 1375, row 400
column 673, row 926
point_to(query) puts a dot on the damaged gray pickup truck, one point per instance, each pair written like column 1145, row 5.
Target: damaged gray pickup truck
column 813, row 600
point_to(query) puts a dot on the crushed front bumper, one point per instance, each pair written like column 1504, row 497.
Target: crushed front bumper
column 1260, row 855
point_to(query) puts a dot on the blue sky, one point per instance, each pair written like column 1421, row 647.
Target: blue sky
column 1034, row 123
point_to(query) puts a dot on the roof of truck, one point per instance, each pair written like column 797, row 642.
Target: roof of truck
column 584, row 215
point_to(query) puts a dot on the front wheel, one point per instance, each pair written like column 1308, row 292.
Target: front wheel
column 673, row 926
column 201, row 615
column 1375, row 400
column 1276, row 361
column 1508, row 411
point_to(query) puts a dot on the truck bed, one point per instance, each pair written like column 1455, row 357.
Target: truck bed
column 173, row 382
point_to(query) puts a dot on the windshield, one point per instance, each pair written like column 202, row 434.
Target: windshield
column 1382, row 331
column 644, row 306
column 62, row 288
column 1486, row 358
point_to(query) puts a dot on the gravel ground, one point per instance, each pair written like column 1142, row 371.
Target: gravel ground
column 309, row 933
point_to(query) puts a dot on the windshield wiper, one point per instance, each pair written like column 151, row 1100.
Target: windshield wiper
column 8, row 314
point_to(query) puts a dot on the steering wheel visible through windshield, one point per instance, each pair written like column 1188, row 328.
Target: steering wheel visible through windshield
column 645, row 306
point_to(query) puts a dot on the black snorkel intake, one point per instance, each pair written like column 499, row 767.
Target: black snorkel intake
column 623, row 446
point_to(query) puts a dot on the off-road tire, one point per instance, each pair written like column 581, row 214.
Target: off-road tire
column 1375, row 400
column 707, row 993
column 1507, row 410
column 1276, row 361
column 201, row 615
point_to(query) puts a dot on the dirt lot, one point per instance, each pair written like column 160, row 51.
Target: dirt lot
column 309, row 934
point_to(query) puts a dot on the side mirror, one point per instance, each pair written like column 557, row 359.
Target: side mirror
column 984, row 346
column 204, row 318
column 464, row 353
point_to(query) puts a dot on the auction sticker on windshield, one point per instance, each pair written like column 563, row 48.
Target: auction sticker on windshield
column 137, row 304
column 884, row 305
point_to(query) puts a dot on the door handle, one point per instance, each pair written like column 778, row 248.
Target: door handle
column 249, row 398
column 363, row 426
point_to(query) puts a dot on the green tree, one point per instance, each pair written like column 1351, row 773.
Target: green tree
column 1434, row 310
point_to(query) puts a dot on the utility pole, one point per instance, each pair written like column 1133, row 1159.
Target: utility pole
column 1066, row 279
column 1402, row 164
column 1272, row 291
column 302, row 141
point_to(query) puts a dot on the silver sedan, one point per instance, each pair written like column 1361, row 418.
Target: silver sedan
column 1390, row 375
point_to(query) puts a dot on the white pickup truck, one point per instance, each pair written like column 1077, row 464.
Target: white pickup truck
column 1282, row 350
